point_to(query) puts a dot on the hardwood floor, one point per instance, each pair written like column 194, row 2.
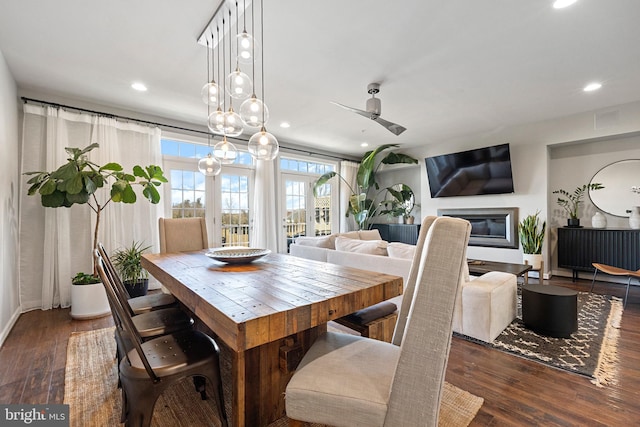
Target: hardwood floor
column 516, row 391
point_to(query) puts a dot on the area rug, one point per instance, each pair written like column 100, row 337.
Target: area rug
column 591, row 351
column 94, row 400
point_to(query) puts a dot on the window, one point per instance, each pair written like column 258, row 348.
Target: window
column 303, row 214
column 224, row 201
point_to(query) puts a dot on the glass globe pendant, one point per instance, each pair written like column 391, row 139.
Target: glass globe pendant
column 225, row 151
column 232, row 123
column 209, row 166
column 216, row 121
column 251, row 112
column 238, row 84
column 211, row 93
column 263, row 145
column 247, row 47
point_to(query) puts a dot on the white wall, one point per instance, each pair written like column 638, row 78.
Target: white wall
column 559, row 153
column 9, row 300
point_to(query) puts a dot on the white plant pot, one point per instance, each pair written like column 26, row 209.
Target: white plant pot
column 634, row 218
column 89, row 301
column 534, row 260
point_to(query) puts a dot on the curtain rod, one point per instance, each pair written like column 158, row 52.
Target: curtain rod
column 163, row 125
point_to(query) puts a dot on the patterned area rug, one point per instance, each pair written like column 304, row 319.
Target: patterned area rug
column 94, row 400
column 591, row 351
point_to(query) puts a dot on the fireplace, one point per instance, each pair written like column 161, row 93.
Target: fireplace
column 492, row 227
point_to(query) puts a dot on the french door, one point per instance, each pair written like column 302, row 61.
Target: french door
column 302, row 213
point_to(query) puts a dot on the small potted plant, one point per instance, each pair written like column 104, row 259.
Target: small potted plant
column 531, row 234
column 571, row 202
column 127, row 263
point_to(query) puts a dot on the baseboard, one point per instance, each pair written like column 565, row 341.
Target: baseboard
column 12, row 321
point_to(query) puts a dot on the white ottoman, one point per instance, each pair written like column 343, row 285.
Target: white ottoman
column 488, row 305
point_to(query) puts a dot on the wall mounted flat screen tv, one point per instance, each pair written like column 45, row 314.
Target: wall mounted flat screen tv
column 469, row 173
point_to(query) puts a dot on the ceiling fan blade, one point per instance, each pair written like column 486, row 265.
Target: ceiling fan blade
column 392, row 127
column 354, row 110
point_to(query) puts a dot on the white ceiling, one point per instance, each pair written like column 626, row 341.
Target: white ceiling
column 447, row 68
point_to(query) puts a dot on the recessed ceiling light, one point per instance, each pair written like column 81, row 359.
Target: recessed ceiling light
column 285, row 125
column 592, row 86
column 561, row 4
column 140, row 87
column 364, row 144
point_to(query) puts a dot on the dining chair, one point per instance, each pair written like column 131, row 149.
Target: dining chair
column 615, row 271
column 348, row 380
column 141, row 304
column 182, row 234
column 150, row 367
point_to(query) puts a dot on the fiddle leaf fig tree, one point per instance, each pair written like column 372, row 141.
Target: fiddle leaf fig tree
column 77, row 181
column 362, row 202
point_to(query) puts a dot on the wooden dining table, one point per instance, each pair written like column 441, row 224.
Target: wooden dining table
column 268, row 312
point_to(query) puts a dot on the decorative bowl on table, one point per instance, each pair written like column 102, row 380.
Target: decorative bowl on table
column 237, row 254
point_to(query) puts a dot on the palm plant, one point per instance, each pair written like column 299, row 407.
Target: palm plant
column 531, row 234
column 363, row 204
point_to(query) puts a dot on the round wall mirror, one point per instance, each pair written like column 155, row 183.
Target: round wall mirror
column 619, row 180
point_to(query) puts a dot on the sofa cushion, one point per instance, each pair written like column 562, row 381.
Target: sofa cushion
column 401, row 250
column 319, row 241
column 369, row 234
column 350, row 234
column 371, row 247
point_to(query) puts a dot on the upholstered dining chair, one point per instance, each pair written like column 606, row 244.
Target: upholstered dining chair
column 141, row 304
column 347, row 380
column 150, row 367
column 615, row 271
column 182, row 234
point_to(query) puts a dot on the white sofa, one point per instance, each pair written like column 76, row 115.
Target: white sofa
column 485, row 306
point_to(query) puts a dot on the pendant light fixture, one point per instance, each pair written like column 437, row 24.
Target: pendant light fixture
column 209, row 166
column 247, row 45
column 232, row 120
column 210, row 92
column 216, row 119
column 263, row 145
column 253, row 111
column 238, row 84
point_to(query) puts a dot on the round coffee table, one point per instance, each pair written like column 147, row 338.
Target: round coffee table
column 550, row 310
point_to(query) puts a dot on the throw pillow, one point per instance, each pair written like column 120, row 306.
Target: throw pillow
column 401, row 250
column 319, row 241
column 351, row 234
column 371, row 247
column 369, row 234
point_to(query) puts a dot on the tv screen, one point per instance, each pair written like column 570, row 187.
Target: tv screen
column 469, row 173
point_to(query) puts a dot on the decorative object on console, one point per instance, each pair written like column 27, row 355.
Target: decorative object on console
column 363, row 204
column 634, row 218
column 598, row 220
column 531, row 234
column 572, row 201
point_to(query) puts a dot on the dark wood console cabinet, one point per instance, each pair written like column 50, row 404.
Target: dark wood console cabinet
column 579, row 247
column 404, row 233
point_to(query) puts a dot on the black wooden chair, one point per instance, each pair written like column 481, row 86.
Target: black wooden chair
column 140, row 304
column 150, row 367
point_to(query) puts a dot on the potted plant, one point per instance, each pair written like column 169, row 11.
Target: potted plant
column 77, row 182
column 571, row 202
column 127, row 263
column 531, row 234
column 401, row 203
column 363, row 204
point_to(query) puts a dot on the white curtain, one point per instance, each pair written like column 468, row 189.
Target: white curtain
column 263, row 233
column 348, row 171
column 55, row 244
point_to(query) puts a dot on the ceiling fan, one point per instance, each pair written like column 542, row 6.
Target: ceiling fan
column 373, row 110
